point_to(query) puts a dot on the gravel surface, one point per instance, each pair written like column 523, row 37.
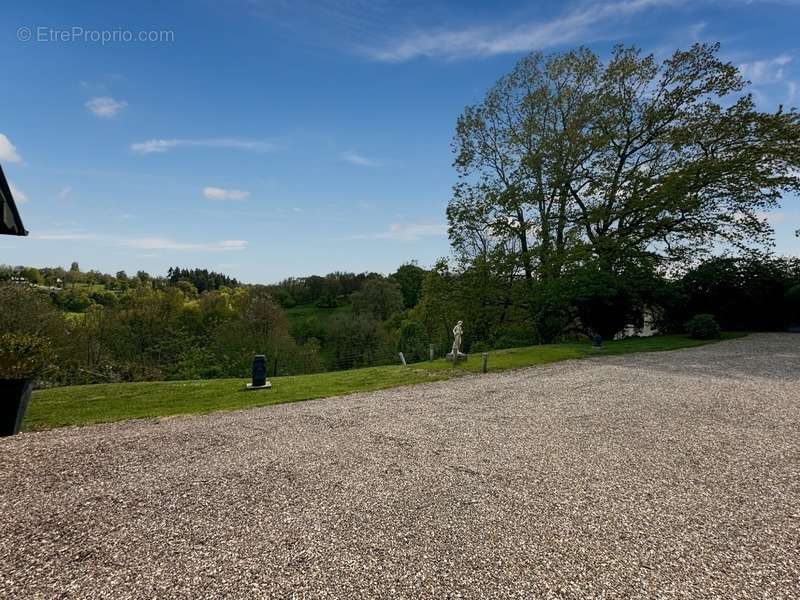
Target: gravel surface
column 665, row 475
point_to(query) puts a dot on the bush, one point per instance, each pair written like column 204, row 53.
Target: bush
column 743, row 294
column 703, row 327
column 104, row 298
column 72, row 300
column 413, row 342
column 23, row 356
column 792, row 299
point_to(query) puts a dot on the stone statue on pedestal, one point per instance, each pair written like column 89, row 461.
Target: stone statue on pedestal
column 455, row 354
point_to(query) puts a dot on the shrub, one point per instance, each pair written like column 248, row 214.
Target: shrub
column 792, row 299
column 743, row 294
column 413, row 342
column 703, row 327
column 23, row 356
column 72, row 300
column 104, row 298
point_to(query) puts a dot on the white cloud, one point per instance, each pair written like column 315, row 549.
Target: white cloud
column 157, row 243
column 580, row 24
column 63, row 236
column 64, row 192
column 406, row 232
column 215, row 193
column 19, row 196
column 163, row 145
column 358, row 159
column 141, row 243
column 105, row 106
column 8, row 152
column 696, row 31
column 792, row 88
column 760, row 72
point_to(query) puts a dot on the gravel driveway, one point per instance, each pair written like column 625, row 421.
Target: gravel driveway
column 666, row 475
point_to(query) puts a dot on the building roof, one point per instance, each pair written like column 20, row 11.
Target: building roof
column 10, row 221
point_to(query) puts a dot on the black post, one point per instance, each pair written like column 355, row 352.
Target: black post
column 259, row 370
column 14, row 397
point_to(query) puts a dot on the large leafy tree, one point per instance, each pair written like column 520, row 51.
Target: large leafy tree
column 569, row 160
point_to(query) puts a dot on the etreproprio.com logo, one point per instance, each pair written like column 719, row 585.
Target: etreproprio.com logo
column 93, row 36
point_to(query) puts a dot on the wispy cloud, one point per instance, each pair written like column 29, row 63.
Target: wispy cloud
column 580, row 24
column 163, row 145
column 105, row 106
column 696, row 31
column 354, row 158
column 157, row 243
column 406, row 232
column 18, row 195
column 141, row 243
column 216, row 193
column 64, row 192
column 761, row 72
column 63, row 236
column 8, row 152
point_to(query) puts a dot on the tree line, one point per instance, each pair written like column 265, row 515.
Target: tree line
column 166, row 331
column 120, row 328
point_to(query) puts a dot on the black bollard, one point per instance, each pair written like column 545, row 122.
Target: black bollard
column 259, row 373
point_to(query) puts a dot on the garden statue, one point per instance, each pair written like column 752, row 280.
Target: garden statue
column 456, row 354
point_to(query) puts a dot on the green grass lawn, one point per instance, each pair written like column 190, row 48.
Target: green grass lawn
column 81, row 405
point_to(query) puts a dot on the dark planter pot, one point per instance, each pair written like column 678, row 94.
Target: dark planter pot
column 14, row 397
column 794, row 329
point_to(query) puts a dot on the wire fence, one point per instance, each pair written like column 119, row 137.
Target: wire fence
column 358, row 358
column 355, row 359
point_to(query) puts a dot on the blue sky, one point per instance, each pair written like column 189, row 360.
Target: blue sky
column 268, row 139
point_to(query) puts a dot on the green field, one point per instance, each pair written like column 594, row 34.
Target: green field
column 81, row 405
